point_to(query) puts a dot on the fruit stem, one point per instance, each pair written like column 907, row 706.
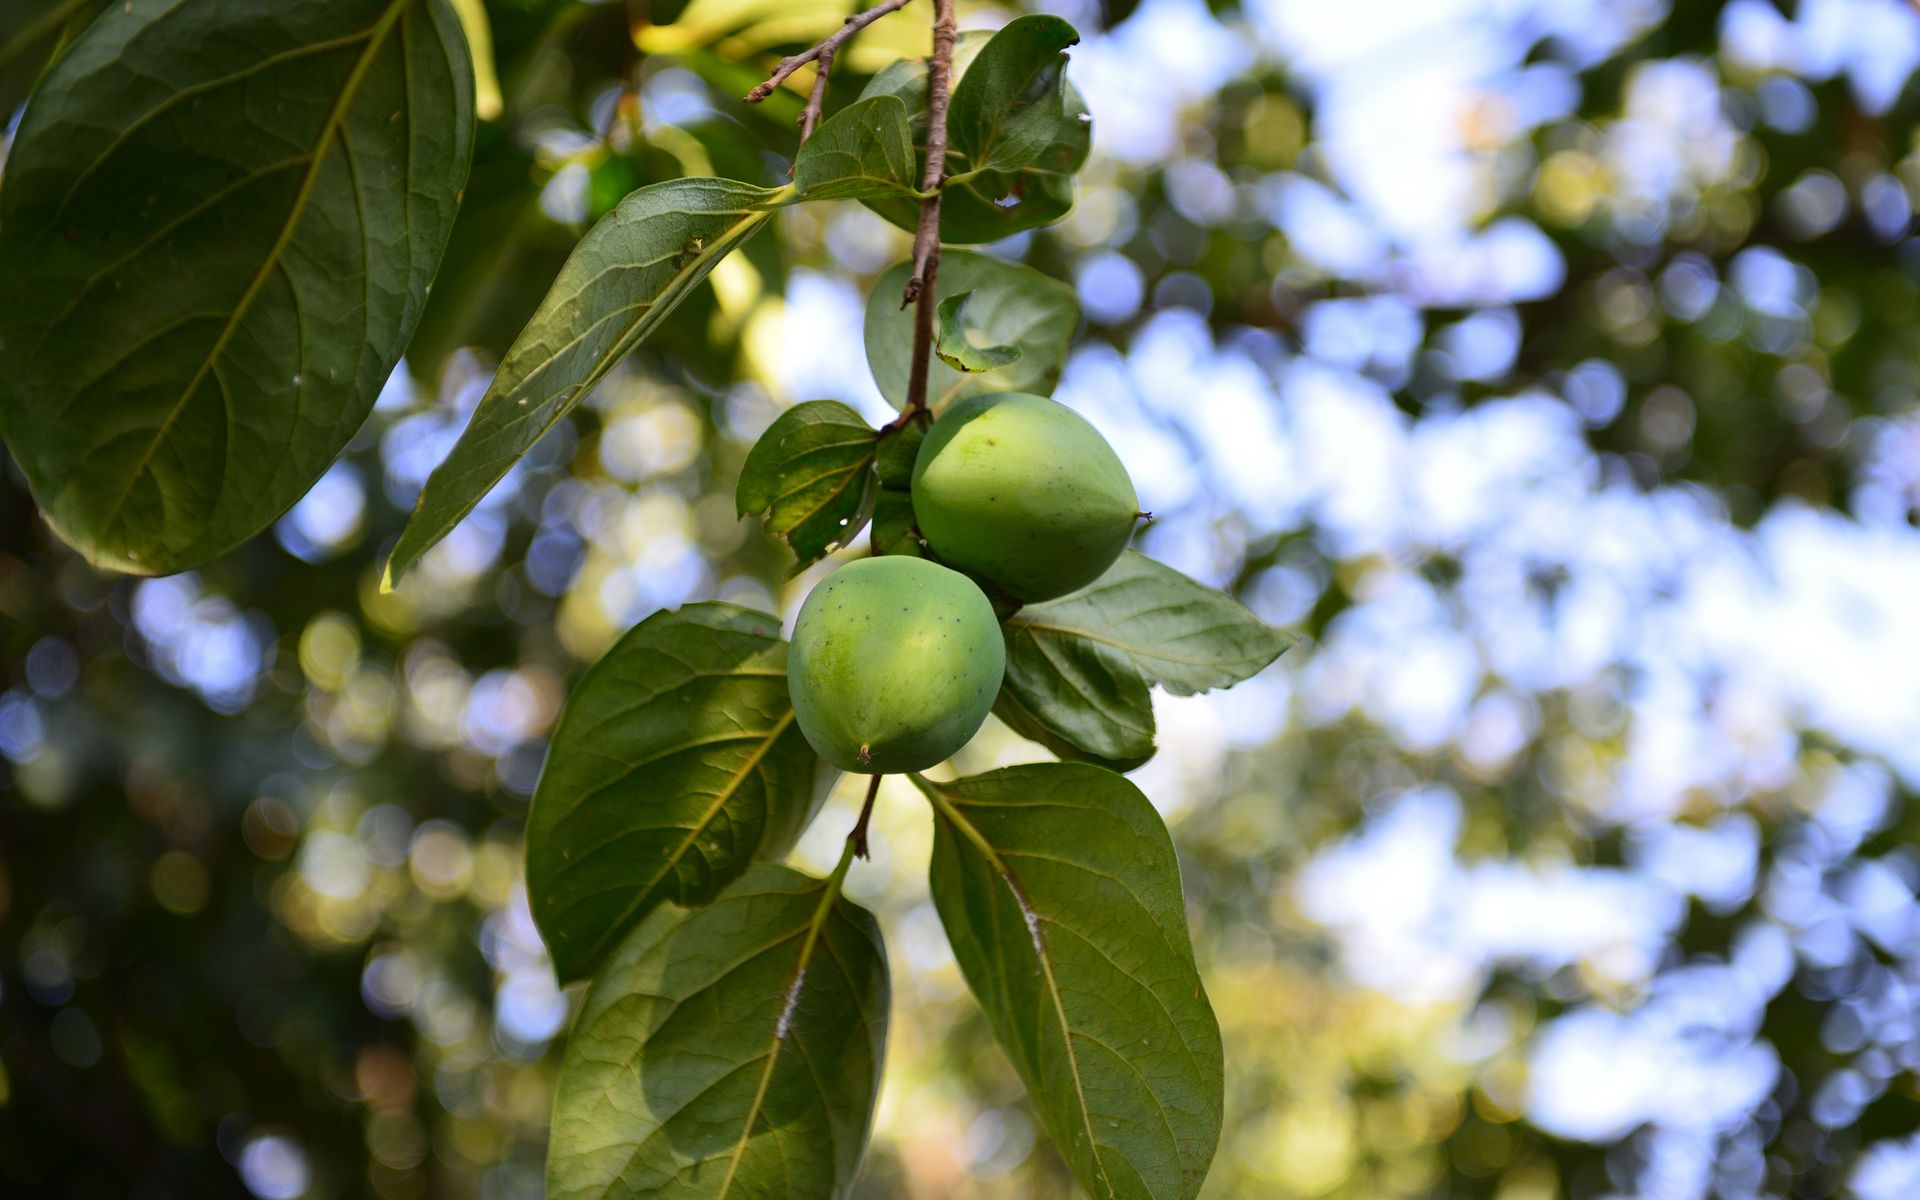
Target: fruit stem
column 857, row 839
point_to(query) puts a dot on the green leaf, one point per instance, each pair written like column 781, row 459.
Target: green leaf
column 865, row 149
column 1059, row 891
column 214, row 260
column 951, row 342
column 1011, row 306
column 677, row 762
column 992, row 204
column 1079, row 668
column 811, row 474
column 893, row 505
column 31, row 31
column 1010, row 106
column 621, row 281
column 731, row 1051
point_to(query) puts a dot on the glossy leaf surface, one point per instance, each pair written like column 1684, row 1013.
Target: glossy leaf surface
column 811, row 475
column 1009, row 305
column 676, row 763
column 1059, row 891
column 621, row 281
column 1079, row 668
column 218, row 229
column 731, row 1051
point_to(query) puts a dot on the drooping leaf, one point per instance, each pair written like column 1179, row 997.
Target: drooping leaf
column 811, row 474
column 1079, row 667
column 1011, row 306
column 1081, row 703
column 1059, row 891
column 993, row 204
column 626, row 275
column 1010, row 106
column 865, row 149
column 214, row 260
column 733, row 1051
column 676, row 763
column 951, row 344
column 30, row 32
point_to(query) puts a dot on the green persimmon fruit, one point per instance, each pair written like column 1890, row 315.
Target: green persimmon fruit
column 1022, row 492
column 895, row 664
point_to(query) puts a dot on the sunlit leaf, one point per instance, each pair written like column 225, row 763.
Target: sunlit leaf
column 732, row 1051
column 811, row 475
column 676, row 763
column 627, row 274
column 214, row 260
column 487, row 101
column 1079, row 667
column 865, row 149
column 1059, row 891
column 952, row 346
column 1010, row 306
column 1010, row 106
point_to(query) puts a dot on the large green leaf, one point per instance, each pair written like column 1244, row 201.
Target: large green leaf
column 865, row 149
column 30, row 32
column 677, row 762
column 1010, row 106
column 992, row 204
column 1059, row 891
column 731, row 1051
column 626, row 275
column 218, row 228
column 1079, row 667
column 1011, row 306
column 811, row 474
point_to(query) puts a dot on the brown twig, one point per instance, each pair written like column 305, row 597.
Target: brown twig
column 926, row 238
column 824, row 51
column 859, row 835
column 810, row 115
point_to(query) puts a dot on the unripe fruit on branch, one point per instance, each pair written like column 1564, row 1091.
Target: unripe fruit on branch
column 895, row 664
column 1020, row 491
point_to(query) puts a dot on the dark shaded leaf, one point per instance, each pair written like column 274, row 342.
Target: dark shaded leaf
column 951, row 342
column 893, row 505
column 215, row 259
column 1011, row 306
column 30, row 32
column 1010, row 106
column 811, row 475
column 865, row 149
column 1079, row 668
column 1059, row 891
column 732, row 1051
column 993, row 204
column 626, row 275
column 676, row 763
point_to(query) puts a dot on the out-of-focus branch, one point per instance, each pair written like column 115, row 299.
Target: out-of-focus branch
column 822, row 53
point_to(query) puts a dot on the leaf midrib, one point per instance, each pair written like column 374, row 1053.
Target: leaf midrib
column 720, row 799
column 789, row 1000
column 376, row 38
column 999, row 866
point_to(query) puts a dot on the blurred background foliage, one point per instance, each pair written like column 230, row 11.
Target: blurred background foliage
column 1550, row 364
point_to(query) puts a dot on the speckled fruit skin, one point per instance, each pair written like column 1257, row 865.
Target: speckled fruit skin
column 895, row 664
column 1020, row 491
